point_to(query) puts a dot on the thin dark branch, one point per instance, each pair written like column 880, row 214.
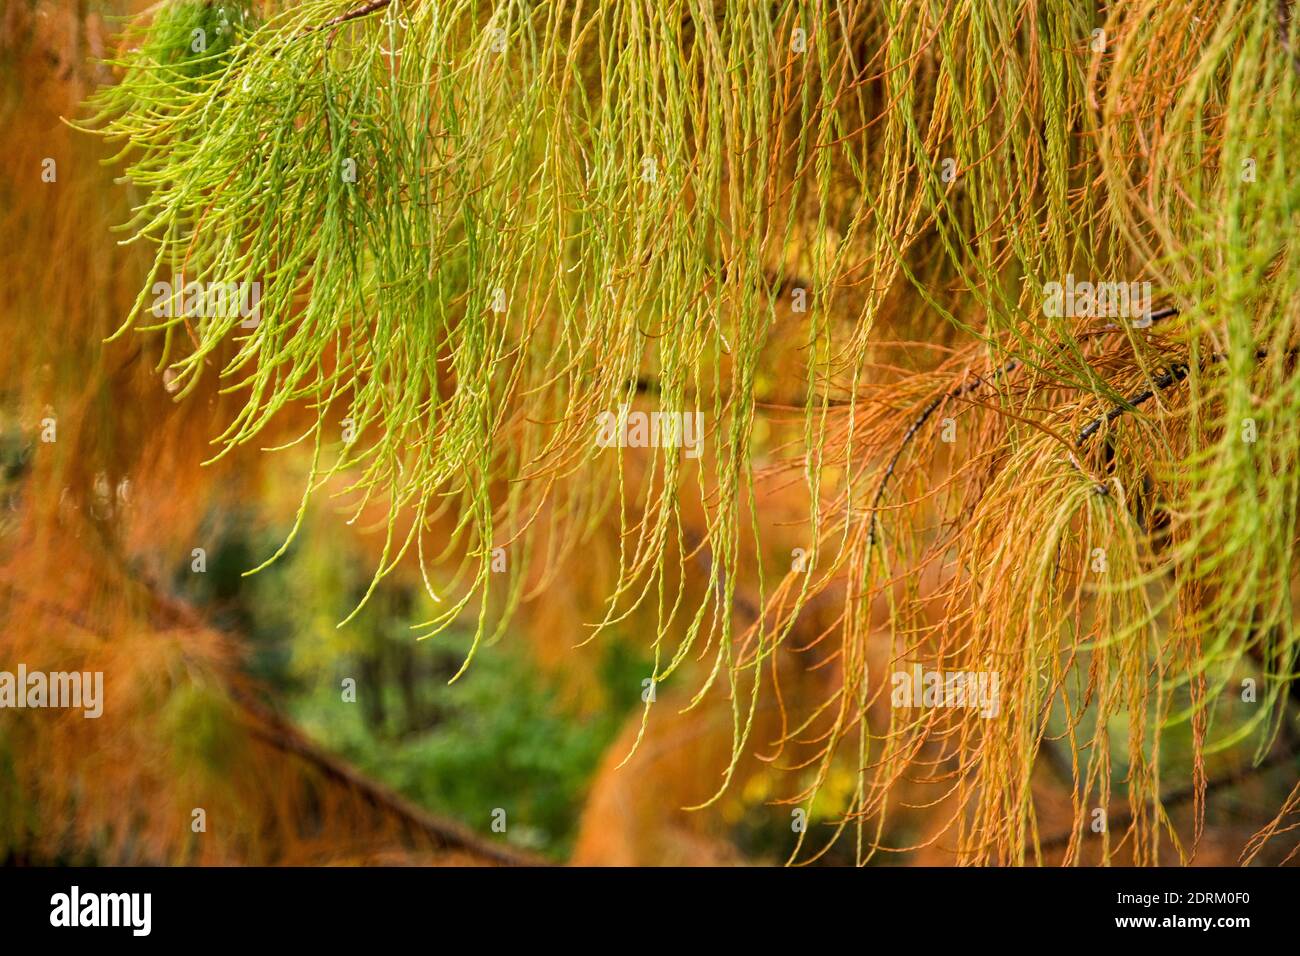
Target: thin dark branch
column 1186, row 794
column 355, row 14
column 959, row 391
column 1159, row 315
column 965, row 388
column 335, row 23
column 1175, row 374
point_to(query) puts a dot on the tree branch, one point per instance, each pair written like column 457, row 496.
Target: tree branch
column 271, row 729
column 1186, row 794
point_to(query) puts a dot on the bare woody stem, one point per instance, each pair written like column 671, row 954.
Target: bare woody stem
column 959, row 391
column 355, row 14
column 1187, row 794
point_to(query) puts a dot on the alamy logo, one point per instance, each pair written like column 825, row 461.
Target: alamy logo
column 208, row 300
column 1085, row 300
column 74, row 908
column 977, row 690
column 55, row 689
column 653, row 430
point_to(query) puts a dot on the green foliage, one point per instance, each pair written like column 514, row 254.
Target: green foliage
column 203, row 729
column 506, row 735
column 193, row 38
column 502, row 737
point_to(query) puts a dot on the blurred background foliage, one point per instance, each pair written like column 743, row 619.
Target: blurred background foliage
column 227, row 690
column 506, row 735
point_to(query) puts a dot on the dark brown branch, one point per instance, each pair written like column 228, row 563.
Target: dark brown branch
column 917, row 424
column 442, row 834
column 1186, row 794
column 355, row 14
column 1175, row 374
column 334, row 24
column 274, row 731
column 967, row 388
column 278, row 733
